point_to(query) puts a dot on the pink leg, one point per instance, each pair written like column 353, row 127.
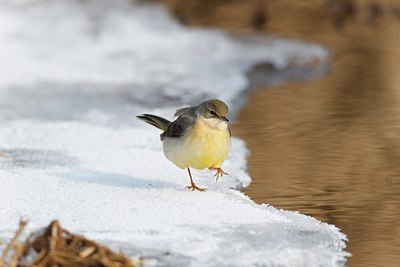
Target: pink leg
column 193, row 186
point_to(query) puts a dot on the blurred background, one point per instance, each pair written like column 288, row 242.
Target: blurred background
column 328, row 147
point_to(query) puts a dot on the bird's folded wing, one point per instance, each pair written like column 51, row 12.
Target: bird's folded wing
column 178, row 127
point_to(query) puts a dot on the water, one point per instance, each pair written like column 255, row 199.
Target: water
column 330, row 148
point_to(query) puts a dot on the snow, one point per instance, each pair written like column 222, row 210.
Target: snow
column 72, row 76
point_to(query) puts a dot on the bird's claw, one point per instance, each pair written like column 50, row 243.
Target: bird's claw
column 194, row 187
column 219, row 173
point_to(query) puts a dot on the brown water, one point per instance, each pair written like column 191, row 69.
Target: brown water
column 330, row 148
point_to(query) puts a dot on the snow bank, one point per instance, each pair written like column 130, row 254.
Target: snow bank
column 72, row 77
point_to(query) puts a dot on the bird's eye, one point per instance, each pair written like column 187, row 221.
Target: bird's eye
column 213, row 113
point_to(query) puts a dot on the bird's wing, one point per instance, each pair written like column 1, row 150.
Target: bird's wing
column 178, row 127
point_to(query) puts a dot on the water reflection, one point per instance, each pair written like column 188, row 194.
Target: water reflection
column 331, row 147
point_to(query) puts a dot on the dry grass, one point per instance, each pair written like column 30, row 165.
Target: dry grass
column 58, row 247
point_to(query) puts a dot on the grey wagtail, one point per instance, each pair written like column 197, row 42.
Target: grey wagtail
column 199, row 138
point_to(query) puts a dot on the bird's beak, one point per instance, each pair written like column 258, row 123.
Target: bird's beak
column 224, row 118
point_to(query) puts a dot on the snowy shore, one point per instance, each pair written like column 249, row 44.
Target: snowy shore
column 73, row 76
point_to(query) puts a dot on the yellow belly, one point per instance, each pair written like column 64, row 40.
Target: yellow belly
column 201, row 147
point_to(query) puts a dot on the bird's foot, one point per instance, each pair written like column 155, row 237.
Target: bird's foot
column 219, row 173
column 194, row 187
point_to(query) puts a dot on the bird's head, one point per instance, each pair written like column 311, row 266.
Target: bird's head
column 214, row 111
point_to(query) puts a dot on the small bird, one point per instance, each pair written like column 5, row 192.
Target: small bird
column 199, row 138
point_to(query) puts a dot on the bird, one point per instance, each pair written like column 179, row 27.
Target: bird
column 198, row 138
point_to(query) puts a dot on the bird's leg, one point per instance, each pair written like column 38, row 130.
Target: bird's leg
column 219, row 173
column 193, row 186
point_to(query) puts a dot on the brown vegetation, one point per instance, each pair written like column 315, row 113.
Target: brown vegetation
column 58, row 247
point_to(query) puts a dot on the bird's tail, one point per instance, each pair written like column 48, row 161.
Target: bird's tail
column 156, row 121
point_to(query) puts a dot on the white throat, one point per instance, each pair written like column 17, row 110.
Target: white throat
column 216, row 123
